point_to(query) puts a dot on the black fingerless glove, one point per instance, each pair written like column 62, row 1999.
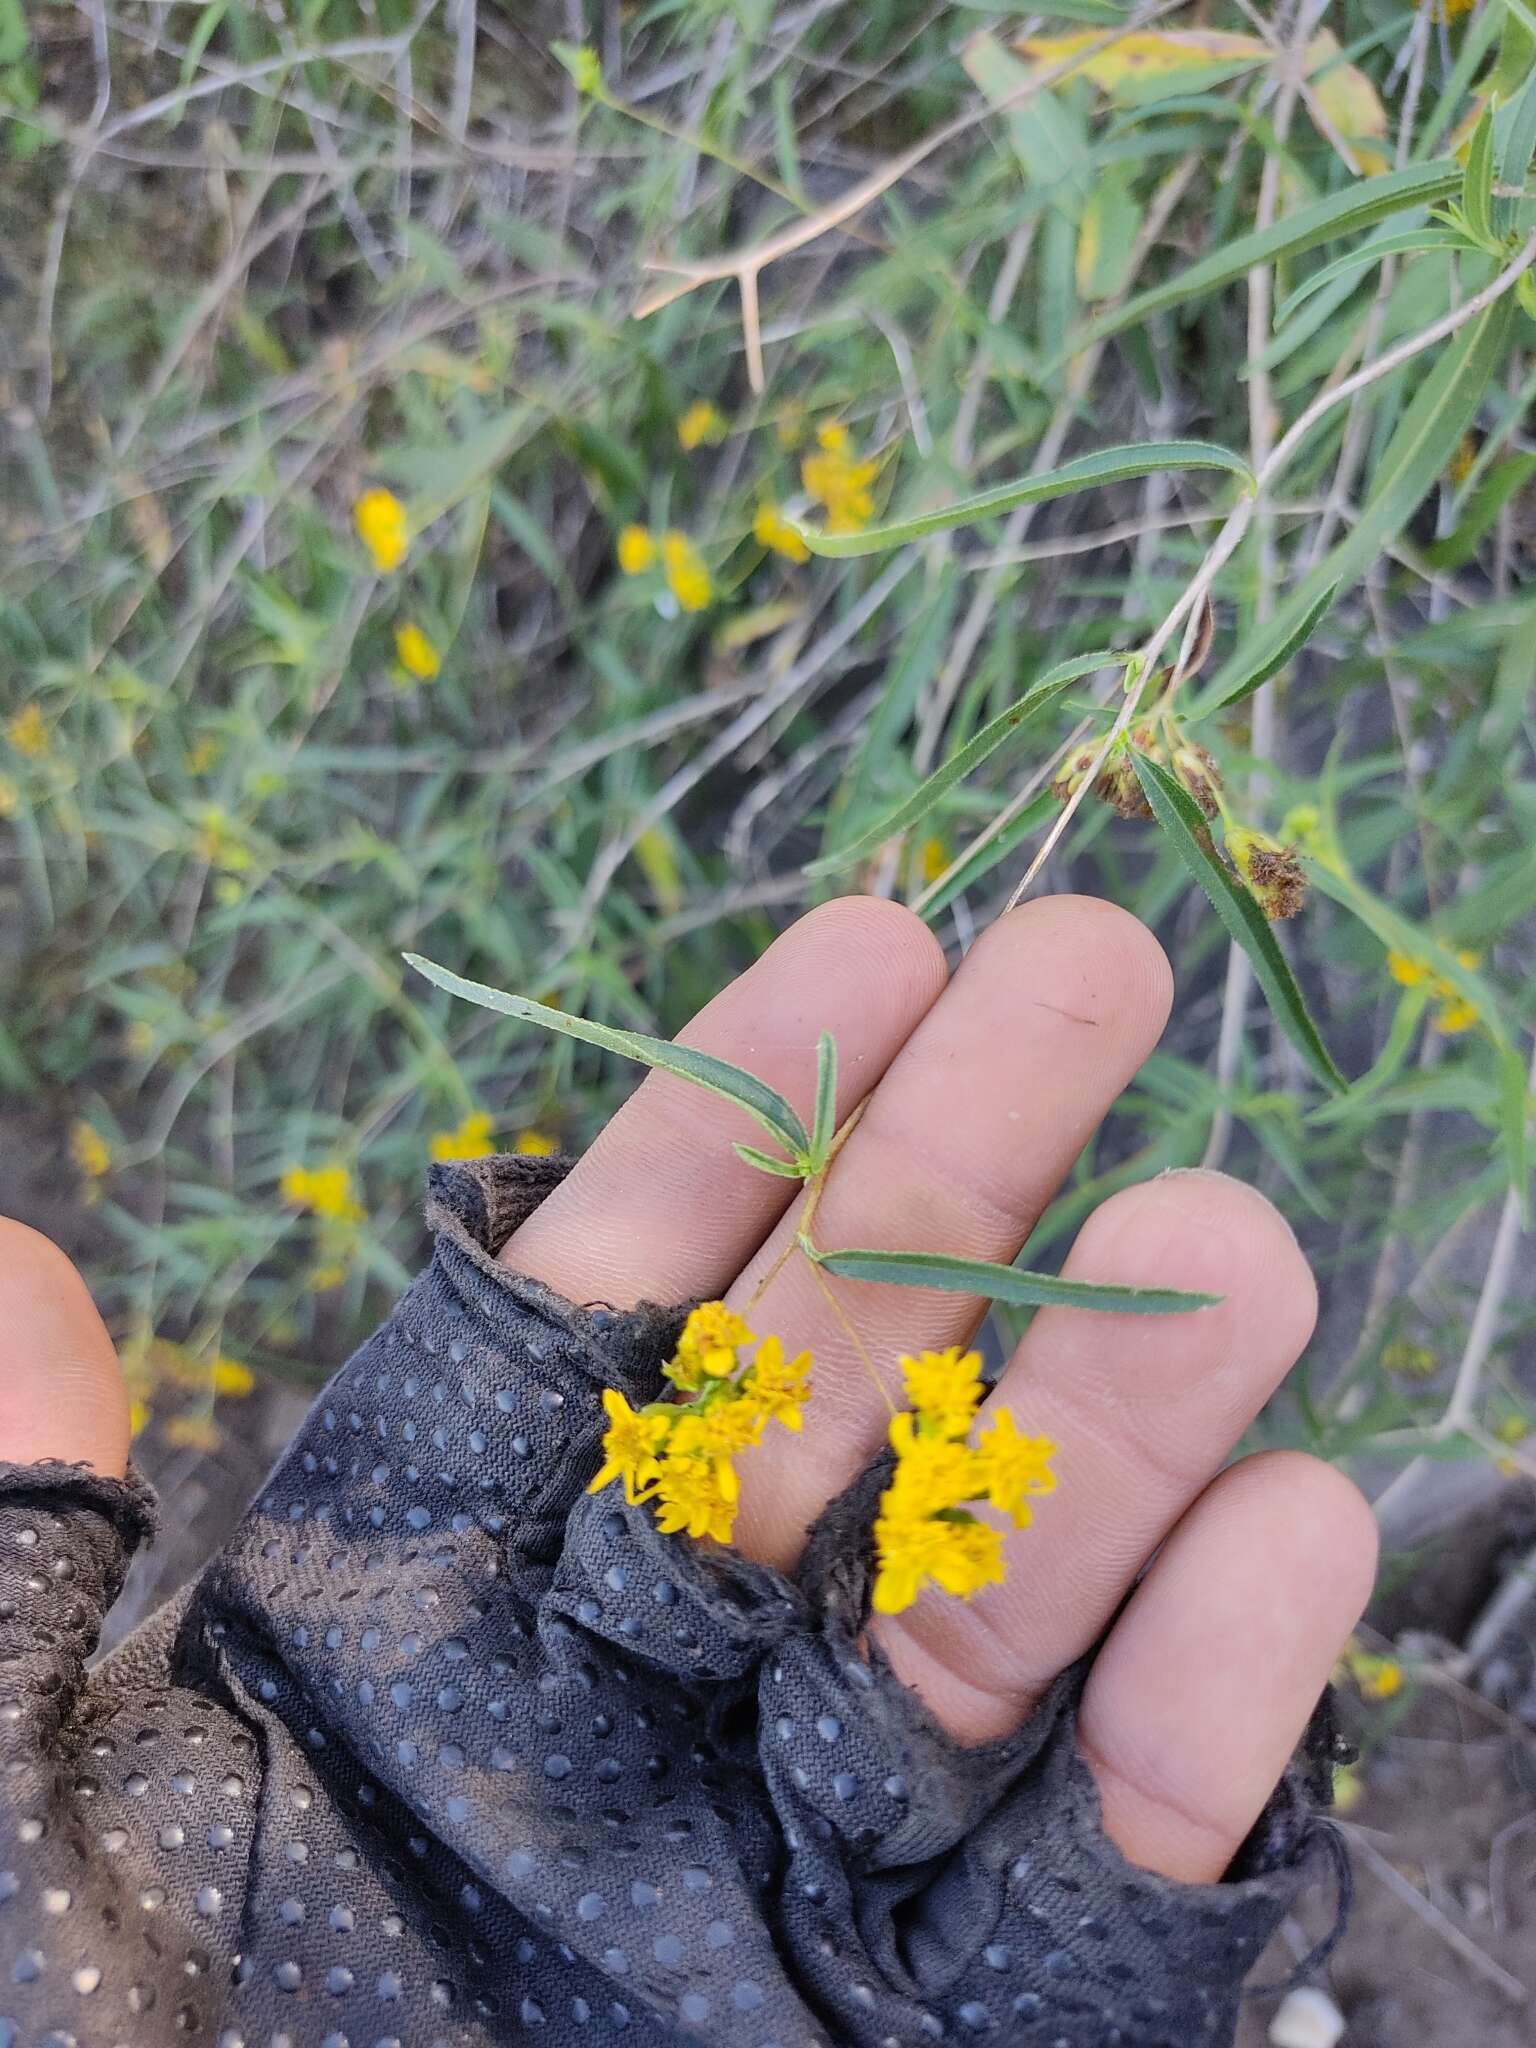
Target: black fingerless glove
column 443, row 1750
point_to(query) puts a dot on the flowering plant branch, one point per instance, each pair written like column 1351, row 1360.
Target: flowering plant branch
column 678, row 1455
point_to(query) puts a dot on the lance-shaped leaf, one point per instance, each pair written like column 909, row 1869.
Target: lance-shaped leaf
column 1405, row 242
column 1359, row 205
column 915, row 807
column 1443, row 407
column 1009, row 1284
column 1185, row 826
column 824, row 1124
column 1268, row 658
column 760, row 1101
column 1087, row 472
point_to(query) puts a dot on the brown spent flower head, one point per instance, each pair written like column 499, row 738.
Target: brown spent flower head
column 1197, row 770
column 1272, row 871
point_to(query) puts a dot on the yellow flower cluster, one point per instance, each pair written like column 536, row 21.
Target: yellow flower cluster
column 702, row 423
column 687, row 575
column 1454, row 1013
column 325, row 1191
column 384, row 528
column 27, row 731
column 472, row 1139
column 838, row 481
column 535, row 1144
column 924, row 1531
column 680, row 1456
column 772, row 530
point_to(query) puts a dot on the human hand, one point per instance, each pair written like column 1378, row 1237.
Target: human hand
column 981, row 1093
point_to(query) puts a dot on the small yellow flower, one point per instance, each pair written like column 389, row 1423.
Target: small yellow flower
column 707, row 1348
column 1460, row 466
column 384, row 528
column 687, row 578
column 321, row 1279
column 700, row 423
column 138, row 1417
column 1013, row 1467
column 779, row 1386
column 772, row 530
column 838, row 482
column 1457, row 1015
column 932, row 860
column 192, row 1433
column 689, row 1500
column 945, row 1388
column 10, row 797
column 630, row 1445
column 958, row 1555
column 1409, row 1361
column 232, row 1379
column 89, row 1150
column 418, row 657
column 1407, row 971
column 472, row 1139
column 932, row 1475
column 535, row 1144
column 1379, row 1678
column 325, row 1191
column 28, row 732
column 1514, row 1429
column 716, row 1432
column 637, row 551
column 218, row 842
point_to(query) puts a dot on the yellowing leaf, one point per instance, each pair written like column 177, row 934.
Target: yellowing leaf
column 1152, row 62
column 658, row 863
column 1349, row 101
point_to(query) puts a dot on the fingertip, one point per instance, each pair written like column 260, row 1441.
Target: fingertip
column 1105, row 959
column 1207, row 1233
column 873, row 929
column 61, row 1388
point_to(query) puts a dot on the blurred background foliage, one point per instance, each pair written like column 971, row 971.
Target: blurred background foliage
column 373, row 578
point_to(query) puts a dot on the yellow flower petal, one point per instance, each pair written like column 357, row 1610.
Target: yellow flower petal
column 418, row 657
column 383, row 527
column 636, row 551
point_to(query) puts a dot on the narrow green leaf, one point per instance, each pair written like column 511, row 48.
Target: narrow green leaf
column 1270, row 659
column 1401, row 1034
column 964, row 759
column 1358, row 206
column 1104, row 466
column 1440, row 412
column 984, row 859
column 766, row 1163
column 1514, row 1111
column 1407, row 242
column 1184, row 823
column 1514, row 140
column 1010, row 1284
column 824, row 1124
column 761, row 1102
column 1477, row 181
column 1481, row 510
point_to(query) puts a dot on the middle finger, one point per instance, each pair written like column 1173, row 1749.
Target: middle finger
column 960, row 1147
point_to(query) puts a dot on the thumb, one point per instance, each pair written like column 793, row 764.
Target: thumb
column 61, row 1387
